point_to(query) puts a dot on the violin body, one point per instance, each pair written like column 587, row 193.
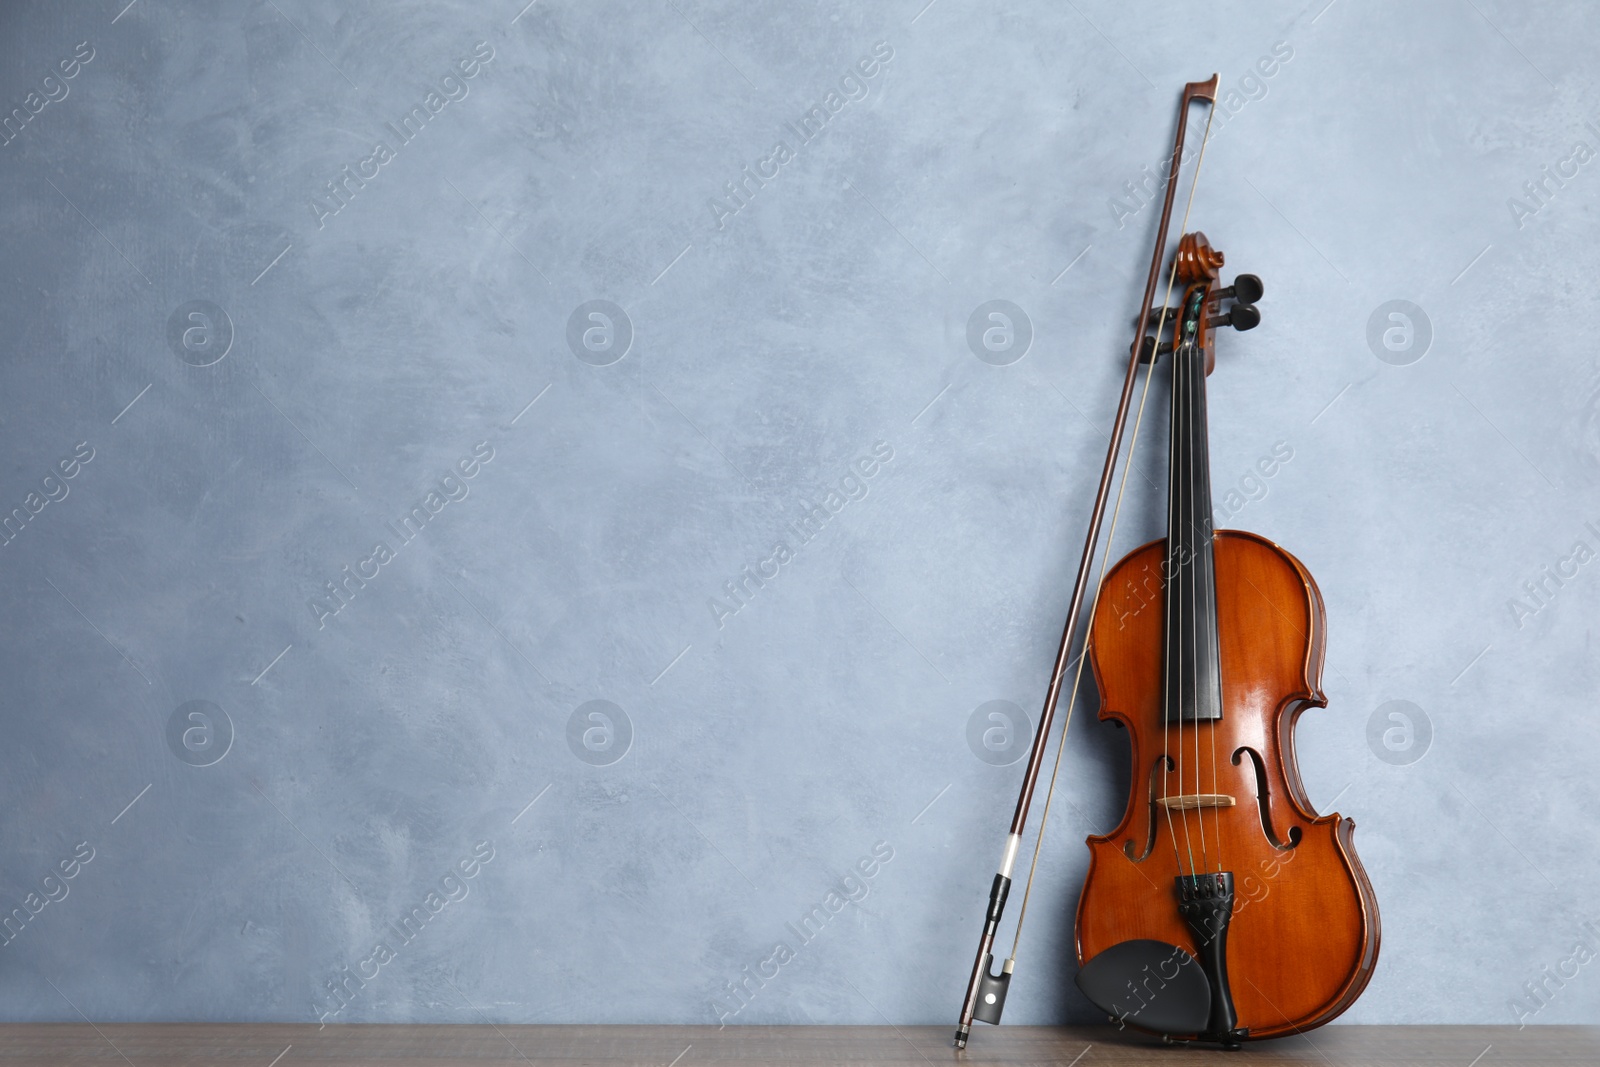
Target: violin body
column 1303, row 936
column 1222, row 908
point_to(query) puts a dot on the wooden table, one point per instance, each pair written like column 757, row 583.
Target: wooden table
column 283, row 1045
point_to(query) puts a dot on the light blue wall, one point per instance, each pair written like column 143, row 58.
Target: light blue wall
column 765, row 754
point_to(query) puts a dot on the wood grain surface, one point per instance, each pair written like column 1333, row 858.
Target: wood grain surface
column 262, row 1045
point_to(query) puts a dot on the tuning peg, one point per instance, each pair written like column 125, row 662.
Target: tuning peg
column 1240, row 317
column 1150, row 350
column 1246, row 289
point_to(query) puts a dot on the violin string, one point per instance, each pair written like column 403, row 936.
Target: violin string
column 1177, row 467
column 1111, row 533
column 1199, row 577
column 1214, row 646
column 1168, row 642
column 1180, row 539
column 1183, row 374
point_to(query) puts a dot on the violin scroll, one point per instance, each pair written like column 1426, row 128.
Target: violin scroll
column 1197, row 261
column 1197, row 268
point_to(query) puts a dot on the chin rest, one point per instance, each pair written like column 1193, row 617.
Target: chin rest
column 1151, row 984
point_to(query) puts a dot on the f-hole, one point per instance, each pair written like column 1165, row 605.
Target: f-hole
column 1263, row 802
column 1150, row 840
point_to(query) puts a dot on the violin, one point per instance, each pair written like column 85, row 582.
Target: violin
column 1222, row 907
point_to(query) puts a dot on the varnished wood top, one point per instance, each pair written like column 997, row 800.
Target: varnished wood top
column 257, row 1045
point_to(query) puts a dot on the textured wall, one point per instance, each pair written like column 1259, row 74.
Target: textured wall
column 266, row 372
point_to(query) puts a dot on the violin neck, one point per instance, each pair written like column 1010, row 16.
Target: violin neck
column 1193, row 690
